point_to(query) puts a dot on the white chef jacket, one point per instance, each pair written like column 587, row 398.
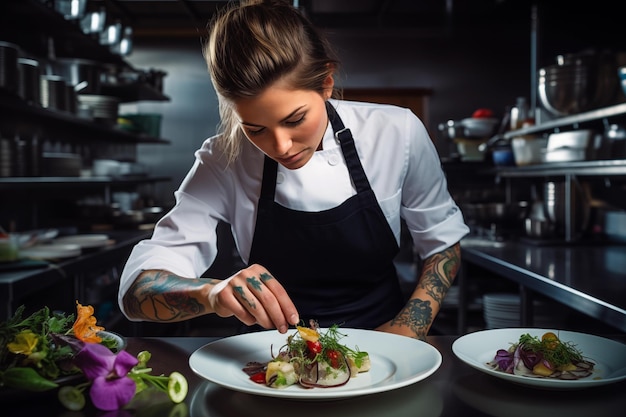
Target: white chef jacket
column 397, row 154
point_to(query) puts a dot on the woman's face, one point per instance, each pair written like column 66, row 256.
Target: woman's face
column 287, row 125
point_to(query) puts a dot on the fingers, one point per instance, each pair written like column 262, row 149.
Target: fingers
column 253, row 295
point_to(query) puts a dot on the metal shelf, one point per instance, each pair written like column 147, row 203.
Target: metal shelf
column 579, row 169
column 590, row 116
column 34, row 118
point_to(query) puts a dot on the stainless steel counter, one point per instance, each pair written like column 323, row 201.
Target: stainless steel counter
column 455, row 389
column 589, row 278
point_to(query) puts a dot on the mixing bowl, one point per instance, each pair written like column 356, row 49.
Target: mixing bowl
column 577, row 85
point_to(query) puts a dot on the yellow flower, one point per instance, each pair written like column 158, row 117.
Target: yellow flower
column 25, row 343
column 85, row 327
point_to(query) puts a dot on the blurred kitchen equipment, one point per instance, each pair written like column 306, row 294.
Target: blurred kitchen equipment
column 518, row 114
column 75, row 71
column 71, row 9
column 94, row 21
column 8, row 66
column 106, row 168
column 105, row 108
column 575, row 145
column 53, row 92
column 557, row 197
column 613, row 142
column 125, row 45
column 578, row 83
column 61, row 164
column 468, row 149
column 71, row 99
column 147, row 123
column 479, row 127
column 528, row 150
column 537, row 228
column 502, row 155
column 112, row 34
column 615, row 225
column 29, row 87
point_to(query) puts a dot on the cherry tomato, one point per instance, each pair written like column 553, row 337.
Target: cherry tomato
column 314, row 347
column 259, row 377
column 550, row 340
column 334, row 357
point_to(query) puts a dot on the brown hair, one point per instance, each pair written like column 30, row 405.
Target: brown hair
column 253, row 45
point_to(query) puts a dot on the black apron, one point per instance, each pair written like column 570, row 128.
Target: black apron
column 336, row 264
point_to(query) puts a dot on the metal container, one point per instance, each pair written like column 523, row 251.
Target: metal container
column 8, row 66
column 76, row 71
column 567, row 207
column 53, row 92
column 29, row 87
column 578, row 83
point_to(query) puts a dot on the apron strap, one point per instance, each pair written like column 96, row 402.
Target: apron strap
column 268, row 187
column 343, row 135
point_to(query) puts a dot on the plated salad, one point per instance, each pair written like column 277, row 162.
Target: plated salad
column 311, row 358
column 548, row 357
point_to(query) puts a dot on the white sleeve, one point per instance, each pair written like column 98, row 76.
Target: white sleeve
column 434, row 220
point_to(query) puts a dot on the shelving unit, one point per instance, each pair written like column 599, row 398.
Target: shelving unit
column 43, row 34
column 617, row 111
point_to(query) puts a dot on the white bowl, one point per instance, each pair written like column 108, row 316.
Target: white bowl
column 528, row 151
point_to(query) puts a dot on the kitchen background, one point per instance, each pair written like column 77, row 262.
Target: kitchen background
column 443, row 58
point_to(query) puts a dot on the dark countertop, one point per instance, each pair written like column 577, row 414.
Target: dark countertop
column 590, row 278
column 455, row 389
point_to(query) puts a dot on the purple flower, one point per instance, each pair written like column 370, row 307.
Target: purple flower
column 111, row 387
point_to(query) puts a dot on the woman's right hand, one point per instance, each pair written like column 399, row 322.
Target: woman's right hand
column 254, row 296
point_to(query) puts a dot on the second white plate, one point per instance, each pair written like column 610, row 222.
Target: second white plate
column 397, row 361
column 609, row 356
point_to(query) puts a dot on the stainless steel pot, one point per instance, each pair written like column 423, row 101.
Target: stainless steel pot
column 75, row 71
column 29, row 86
column 8, row 66
column 557, row 197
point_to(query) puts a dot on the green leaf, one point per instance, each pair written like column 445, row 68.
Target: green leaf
column 26, row 379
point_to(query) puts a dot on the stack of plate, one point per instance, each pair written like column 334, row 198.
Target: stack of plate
column 104, row 108
column 503, row 311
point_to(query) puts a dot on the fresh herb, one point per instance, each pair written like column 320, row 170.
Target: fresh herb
column 28, row 343
column 554, row 350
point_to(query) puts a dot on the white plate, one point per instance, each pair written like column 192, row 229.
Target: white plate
column 609, row 356
column 85, row 241
column 50, row 251
column 397, row 361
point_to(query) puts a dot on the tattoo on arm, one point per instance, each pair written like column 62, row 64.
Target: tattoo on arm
column 439, row 272
column 437, row 276
column 162, row 296
column 417, row 315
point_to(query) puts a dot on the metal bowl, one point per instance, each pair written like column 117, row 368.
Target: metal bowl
column 576, row 86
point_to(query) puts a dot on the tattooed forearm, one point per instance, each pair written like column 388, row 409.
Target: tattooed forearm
column 417, row 315
column 162, row 296
column 439, row 271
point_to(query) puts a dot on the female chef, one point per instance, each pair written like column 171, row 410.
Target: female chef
column 314, row 189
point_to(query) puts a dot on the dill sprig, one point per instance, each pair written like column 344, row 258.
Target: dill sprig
column 555, row 351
